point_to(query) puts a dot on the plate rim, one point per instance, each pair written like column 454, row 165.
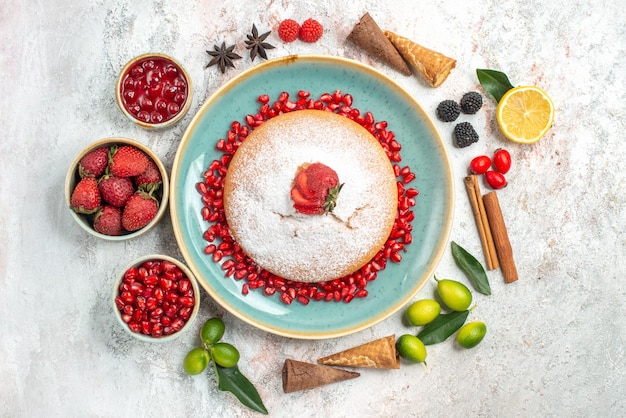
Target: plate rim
column 267, row 66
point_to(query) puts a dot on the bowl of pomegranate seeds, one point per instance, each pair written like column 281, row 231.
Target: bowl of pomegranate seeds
column 153, row 90
column 156, row 298
column 117, row 189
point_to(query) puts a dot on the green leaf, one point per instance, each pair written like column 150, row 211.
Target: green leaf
column 442, row 327
column 232, row 380
column 494, row 82
column 472, row 268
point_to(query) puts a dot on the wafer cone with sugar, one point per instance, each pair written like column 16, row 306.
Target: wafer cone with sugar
column 367, row 35
column 298, row 375
column 379, row 354
column 431, row 65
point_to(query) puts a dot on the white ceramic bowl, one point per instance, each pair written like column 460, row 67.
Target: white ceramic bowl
column 126, row 322
column 86, row 221
column 148, row 85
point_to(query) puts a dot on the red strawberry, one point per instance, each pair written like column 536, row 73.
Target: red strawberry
column 108, row 221
column 115, row 190
column 128, row 161
column 288, row 30
column 140, row 209
column 85, row 196
column 150, row 180
column 315, row 189
column 311, row 31
column 94, row 163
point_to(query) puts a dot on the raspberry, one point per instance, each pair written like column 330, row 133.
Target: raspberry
column 288, row 30
column 448, row 111
column 311, row 31
column 471, row 102
column 465, row 135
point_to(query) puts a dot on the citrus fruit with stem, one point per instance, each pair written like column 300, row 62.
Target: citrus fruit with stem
column 525, row 114
column 411, row 348
column 471, row 334
column 196, row 361
column 225, row 354
column 454, row 295
column 212, row 331
column 422, row 312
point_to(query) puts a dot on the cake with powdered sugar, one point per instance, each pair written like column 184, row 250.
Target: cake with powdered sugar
column 310, row 196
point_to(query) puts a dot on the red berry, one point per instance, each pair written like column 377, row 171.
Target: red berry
column 315, row 189
column 502, row 160
column 288, row 30
column 495, row 180
column 480, row 164
column 94, row 163
column 108, row 221
column 150, row 180
column 116, row 190
column 128, row 161
column 86, row 197
column 311, row 31
column 140, row 209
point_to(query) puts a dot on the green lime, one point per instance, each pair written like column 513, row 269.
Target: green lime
column 411, row 348
column 471, row 334
column 196, row 361
column 225, row 354
column 423, row 312
column 212, row 331
column 454, row 295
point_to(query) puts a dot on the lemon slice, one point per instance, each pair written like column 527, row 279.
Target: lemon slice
column 525, row 114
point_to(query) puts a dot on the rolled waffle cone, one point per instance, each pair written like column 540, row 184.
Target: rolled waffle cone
column 431, row 65
column 367, row 35
column 379, row 354
column 298, row 375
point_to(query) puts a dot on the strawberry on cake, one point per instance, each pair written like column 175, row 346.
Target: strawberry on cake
column 310, row 196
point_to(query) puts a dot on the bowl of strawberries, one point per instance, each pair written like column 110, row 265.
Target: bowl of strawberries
column 117, row 189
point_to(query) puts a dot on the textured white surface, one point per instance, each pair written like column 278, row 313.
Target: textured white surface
column 556, row 339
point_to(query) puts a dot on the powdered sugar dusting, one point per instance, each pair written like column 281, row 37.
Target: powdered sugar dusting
column 310, row 248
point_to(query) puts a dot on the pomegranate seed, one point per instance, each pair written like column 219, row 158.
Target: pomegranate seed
column 286, row 298
column 119, row 303
column 185, row 312
column 157, row 330
column 134, row 327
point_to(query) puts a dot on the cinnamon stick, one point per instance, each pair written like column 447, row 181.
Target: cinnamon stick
column 500, row 237
column 484, row 231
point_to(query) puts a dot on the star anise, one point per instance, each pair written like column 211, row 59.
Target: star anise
column 256, row 44
column 223, row 57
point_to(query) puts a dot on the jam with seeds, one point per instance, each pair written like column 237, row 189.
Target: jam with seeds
column 154, row 90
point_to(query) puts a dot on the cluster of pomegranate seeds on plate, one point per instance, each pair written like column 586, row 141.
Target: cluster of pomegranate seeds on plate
column 236, row 264
column 155, row 298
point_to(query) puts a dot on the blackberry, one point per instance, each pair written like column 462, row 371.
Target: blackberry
column 465, row 135
column 448, row 111
column 471, row 102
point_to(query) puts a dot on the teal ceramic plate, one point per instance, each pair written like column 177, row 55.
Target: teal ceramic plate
column 423, row 150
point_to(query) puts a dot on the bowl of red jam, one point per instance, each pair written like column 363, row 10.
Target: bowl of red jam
column 154, row 91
